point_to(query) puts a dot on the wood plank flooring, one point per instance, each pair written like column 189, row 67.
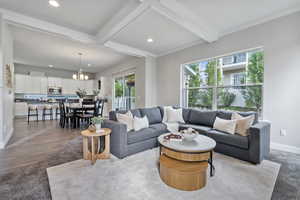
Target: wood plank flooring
column 32, row 143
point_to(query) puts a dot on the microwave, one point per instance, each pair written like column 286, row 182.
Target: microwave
column 54, row 90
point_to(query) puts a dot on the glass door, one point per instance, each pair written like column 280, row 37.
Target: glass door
column 124, row 92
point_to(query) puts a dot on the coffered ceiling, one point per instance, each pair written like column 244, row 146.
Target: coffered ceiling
column 111, row 31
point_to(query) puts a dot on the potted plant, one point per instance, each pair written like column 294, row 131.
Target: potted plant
column 81, row 93
column 97, row 121
column 96, row 93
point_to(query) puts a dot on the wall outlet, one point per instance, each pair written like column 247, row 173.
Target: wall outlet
column 282, row 132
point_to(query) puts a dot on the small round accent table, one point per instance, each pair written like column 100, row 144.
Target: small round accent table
column 183, row 164
column 94, row 154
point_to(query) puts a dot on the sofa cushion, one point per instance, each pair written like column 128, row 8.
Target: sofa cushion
column 113, row 116
column 229, row 139
column 160, row 128
column 141, row 135
column 201, row 129
column 153, row 114
column 206, row 118
column 227, row 115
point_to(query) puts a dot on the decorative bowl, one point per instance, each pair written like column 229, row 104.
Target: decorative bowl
column 189, row 136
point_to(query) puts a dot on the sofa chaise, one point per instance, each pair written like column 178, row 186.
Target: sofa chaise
column 253, row 148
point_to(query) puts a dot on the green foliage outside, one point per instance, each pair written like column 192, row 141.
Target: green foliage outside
column 225, row 97
column 118, row 88
column 253, row 94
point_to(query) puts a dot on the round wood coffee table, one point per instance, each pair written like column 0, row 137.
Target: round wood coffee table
column 183, row 164
column 94, row 154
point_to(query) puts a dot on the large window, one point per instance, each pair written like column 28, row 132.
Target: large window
column 232, row 82
column 124, row 92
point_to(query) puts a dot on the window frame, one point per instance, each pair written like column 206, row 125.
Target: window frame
column 215, row 87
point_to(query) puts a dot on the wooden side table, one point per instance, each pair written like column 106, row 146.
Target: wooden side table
column 94, row 154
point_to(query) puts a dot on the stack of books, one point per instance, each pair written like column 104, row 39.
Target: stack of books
column 173, row 137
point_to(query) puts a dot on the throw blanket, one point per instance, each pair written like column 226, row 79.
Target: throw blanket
column 173, row 127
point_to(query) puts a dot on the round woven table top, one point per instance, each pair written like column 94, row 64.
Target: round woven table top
column 88, row 133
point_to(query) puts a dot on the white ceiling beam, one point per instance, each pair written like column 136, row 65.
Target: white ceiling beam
column 29, row 22
column 128, row 50
column 176, row 12
column 124, row 17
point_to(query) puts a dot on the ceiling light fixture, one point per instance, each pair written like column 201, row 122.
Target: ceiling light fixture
column 149, row 40
column 80, row 75
column 50, row 65
column 54, row 3
column 89, row 65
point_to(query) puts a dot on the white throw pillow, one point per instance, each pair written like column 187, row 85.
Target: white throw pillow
column 242, row 123
column 165, row 117
column 140, row 123
column 174, row 115
column 227, row 126
column 126, row 119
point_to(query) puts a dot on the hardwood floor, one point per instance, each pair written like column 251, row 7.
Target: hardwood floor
column 32, row 143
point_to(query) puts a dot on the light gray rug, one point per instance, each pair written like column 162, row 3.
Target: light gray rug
column 137, row 178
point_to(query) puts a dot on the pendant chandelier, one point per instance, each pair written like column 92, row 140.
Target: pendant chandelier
column 80, row 75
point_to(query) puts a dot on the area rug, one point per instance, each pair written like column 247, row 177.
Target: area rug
column 136, row 178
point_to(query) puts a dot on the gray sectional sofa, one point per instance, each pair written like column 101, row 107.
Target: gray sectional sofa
column 253, row 148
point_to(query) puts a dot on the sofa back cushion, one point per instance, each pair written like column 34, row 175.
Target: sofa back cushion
column 185, row 112
column 227, row 115
column 113, row 116
column 198, row 117
column 153, row 114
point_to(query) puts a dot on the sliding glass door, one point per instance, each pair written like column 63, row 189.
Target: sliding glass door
column 124, row 92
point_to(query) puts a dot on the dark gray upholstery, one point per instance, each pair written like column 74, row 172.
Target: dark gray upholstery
column 227, row 115
column 229, row 139
column 160, row 128
column 141, row 135
column 153, row 114
column 206, row 118
column 201, row 129
column 253, row 148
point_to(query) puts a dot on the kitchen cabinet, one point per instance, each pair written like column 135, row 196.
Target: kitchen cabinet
column 33, row 85
column 44, row 85
column 20, row 80
column 54, row 82
column 20, row 108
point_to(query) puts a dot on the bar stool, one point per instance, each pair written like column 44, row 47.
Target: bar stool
column 57, row 110
column 34, row 109
column 47, row 111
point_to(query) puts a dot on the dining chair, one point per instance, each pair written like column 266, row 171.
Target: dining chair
column 65, row 117
column 88, row 112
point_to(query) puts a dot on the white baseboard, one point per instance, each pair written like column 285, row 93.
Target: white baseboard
column 5, row 141
column 284, row 147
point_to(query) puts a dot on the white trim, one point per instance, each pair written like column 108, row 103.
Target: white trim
column 177, row 12
column 176, row 49
column 284, row 147
column 261, row 20
column 122, row 19
column 128, row 49
column 29, row 22
column 7, row 138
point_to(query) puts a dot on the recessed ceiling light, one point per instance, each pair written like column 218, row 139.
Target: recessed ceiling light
column 149, row 40
column 50, row 65
column 89, row 65
column 54, row 3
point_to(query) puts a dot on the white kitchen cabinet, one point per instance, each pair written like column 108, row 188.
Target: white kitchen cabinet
column 20, row 80
column 44, row 85
column 20, row 109
column 89, row 86
column 54, row 82
column 34, row 84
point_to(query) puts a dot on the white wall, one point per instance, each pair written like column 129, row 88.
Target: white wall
column 280, row 39
column 7, row 94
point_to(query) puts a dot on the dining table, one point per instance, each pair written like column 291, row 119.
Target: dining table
column 75, row 108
